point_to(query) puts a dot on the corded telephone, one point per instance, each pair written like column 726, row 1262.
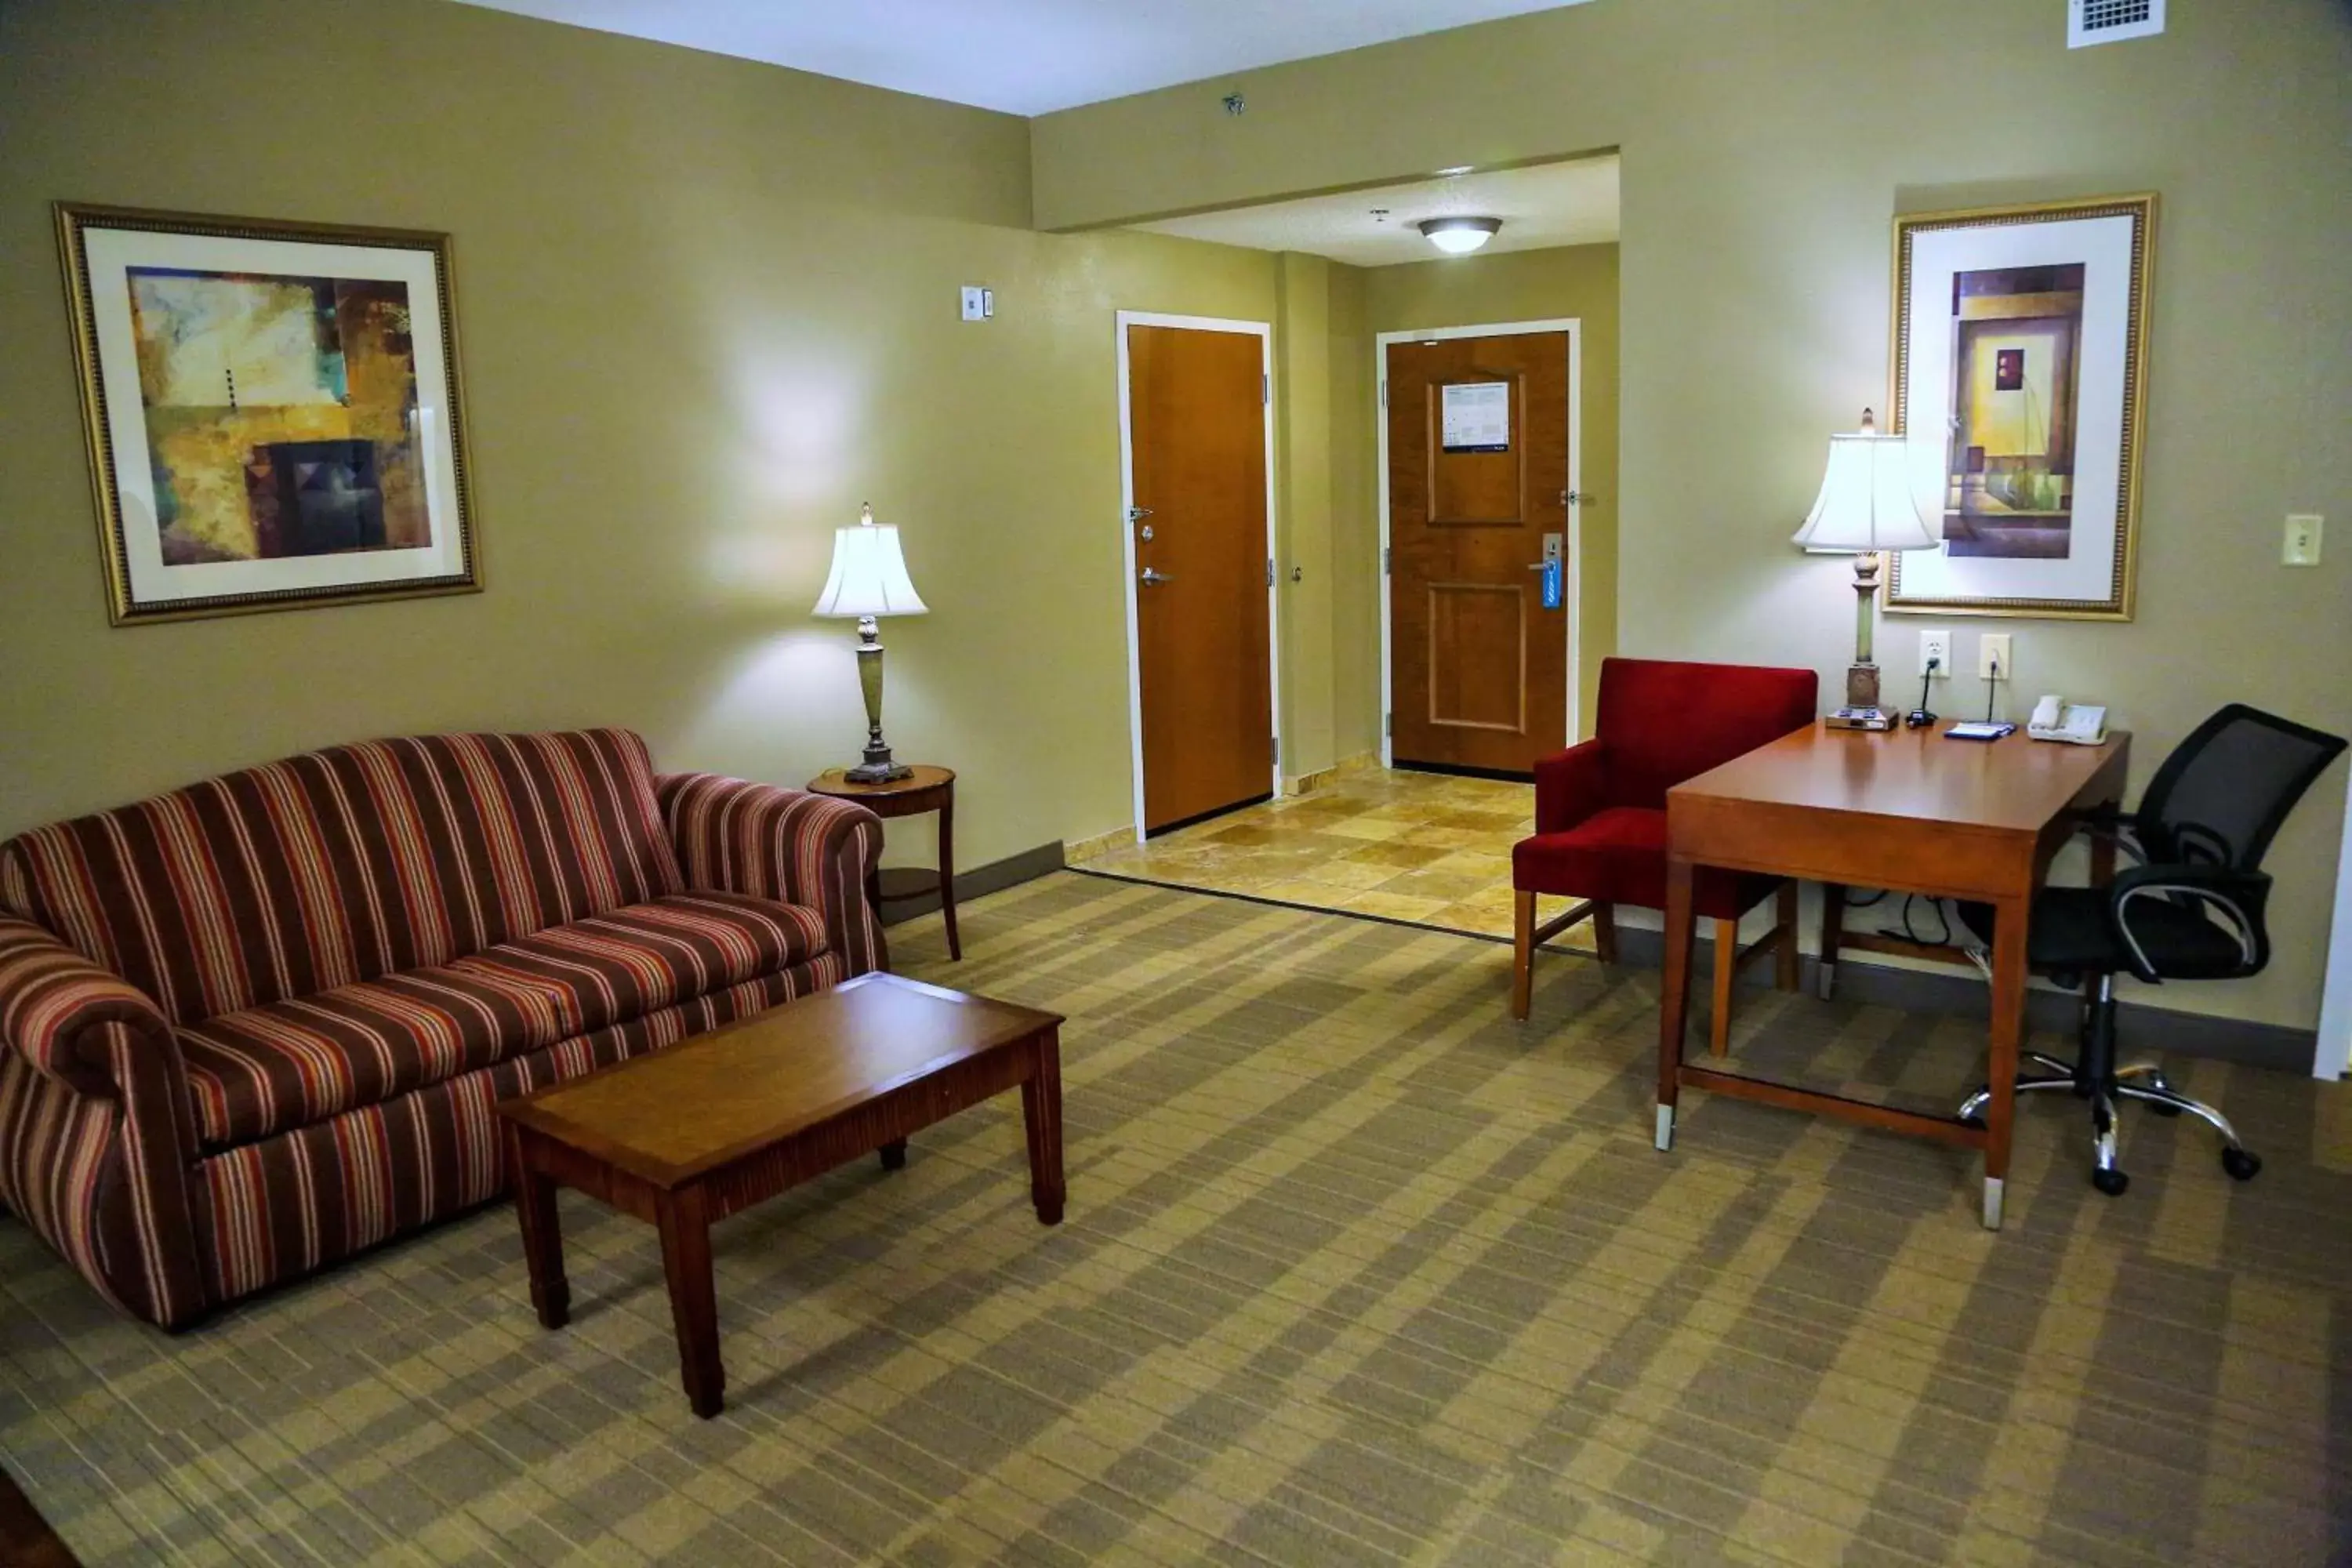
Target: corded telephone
column 2079, row 724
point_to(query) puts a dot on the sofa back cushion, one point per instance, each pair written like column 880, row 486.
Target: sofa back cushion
column 1664, row 720
column 348, row 864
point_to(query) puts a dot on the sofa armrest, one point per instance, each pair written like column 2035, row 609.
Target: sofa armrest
column 1571, row 785
column 782, row 844
column 98, row 1137
column 53, row 1002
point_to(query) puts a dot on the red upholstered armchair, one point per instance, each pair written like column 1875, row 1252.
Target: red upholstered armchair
column 1601, row 812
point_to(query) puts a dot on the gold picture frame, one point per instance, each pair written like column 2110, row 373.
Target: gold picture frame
column 2026, row 328
column 274, row 411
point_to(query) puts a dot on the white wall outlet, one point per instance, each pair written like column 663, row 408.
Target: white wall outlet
column 1935, row 653
column 1992, row 656
column 2302, row 546
column 975, row 303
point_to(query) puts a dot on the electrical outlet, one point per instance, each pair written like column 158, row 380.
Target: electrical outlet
column 1935, row 653
column 976, row 303
column 2302, row 547
column 1992, row 656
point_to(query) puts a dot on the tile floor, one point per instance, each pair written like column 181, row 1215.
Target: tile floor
column 1426, row 848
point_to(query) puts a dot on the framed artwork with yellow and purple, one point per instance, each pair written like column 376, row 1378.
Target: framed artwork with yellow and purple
column 272, row 408
column 2021, row 374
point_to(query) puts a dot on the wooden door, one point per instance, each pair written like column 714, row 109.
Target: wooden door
column 1196, row 421
column 1478, row 481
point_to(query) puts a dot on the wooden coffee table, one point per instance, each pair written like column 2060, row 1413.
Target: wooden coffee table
column 720, row 1123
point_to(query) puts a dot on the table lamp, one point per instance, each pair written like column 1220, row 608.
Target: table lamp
column 869, row 579
column 1866, row 506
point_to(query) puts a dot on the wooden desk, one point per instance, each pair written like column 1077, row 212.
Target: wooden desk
column 1908, row 811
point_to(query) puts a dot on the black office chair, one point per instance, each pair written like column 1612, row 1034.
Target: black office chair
column 2191, row 910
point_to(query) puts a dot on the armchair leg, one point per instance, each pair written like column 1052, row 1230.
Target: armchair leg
column 1727, row 970
column 1605, row 931
column 1523, row 951
column 1785, row 958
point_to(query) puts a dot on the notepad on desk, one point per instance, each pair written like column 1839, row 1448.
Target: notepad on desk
column 1979, row 730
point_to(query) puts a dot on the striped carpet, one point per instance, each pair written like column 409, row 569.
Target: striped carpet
column 1356, row 1271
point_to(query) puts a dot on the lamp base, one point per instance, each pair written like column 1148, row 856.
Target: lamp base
column 1861, row 719
column 877, row 767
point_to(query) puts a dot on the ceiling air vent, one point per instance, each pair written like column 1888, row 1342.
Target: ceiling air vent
column 2092, row 22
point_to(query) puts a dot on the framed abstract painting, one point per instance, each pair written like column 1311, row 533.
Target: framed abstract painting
column 2020, row 370
column 272, row 409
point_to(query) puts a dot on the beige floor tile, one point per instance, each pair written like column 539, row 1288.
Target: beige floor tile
column 1394, row 907
column 1366, row 828
column 1404, row 857
column 1357, row 875
column 1449, row 887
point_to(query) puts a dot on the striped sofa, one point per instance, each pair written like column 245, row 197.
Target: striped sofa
column 258, row 1024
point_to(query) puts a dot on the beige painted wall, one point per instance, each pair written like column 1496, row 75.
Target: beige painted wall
column 1766, row 149
column 708, row 307
column 1576, row 282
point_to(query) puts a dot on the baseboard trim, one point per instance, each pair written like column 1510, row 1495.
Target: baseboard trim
column 982, row 880
column 2140, row 1027
column 1075, row 851
column 1324, row 778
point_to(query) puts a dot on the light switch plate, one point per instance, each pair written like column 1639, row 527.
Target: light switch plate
column 1990, row 646
column 2302, row 546
column 975, row 303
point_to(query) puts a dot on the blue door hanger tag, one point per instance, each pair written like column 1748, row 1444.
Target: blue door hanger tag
column 1551, row 583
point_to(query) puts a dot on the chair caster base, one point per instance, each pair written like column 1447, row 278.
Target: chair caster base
column 2243, row 1164
column 2111, row 1182
column 2160, row 1109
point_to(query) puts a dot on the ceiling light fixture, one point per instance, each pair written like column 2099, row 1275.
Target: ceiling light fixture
column 1459, row 236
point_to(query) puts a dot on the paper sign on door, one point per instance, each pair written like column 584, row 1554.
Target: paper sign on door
column 1475, row 417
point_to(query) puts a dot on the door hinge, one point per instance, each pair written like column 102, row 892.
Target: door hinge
column 1269, row 571
column 1278, row 750
column 1384, row 395
column 1384, row 560
column 1388, row 724
column 1266, row 389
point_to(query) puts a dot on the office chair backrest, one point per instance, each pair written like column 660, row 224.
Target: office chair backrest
column 2222, row 795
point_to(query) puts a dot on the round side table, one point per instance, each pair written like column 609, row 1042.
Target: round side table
column 925, row 789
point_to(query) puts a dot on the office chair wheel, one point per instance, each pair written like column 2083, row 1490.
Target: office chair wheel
column 2111, row 1182
column 2243, row 1164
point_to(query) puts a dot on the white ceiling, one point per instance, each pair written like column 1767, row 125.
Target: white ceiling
column 1547, row 204
column 1024, row 57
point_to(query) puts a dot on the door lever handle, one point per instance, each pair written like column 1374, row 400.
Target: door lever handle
column 1151, row 577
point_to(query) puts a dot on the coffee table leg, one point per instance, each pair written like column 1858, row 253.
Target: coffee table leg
column 894, row 1154
column 542, row 1237
column 946, row 875
column 1041, row 1112
column 685, row 1223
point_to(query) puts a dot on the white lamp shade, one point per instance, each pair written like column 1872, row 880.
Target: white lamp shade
column 1866, row 501
column 869, row 575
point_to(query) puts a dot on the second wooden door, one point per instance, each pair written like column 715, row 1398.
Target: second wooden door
column 1478, row 499
column 1196, row 419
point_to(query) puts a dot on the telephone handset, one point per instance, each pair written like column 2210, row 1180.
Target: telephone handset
column 2077, row 724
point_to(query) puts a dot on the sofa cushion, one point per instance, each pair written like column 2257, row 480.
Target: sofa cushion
column 1619, row 857
column 346, row 865
column 288, row 1064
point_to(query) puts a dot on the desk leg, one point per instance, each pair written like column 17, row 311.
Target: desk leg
column 2008, row 1037
column 1832, row 927
column 947, row 876
column 1673, row 994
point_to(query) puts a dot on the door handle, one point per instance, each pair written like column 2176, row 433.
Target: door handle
column 1151, row 578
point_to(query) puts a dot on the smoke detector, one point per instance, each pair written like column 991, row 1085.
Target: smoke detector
column 2092, row 22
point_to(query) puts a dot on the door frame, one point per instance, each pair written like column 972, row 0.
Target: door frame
column 1571, row 588
column 1264, row 332
column 2332, row 1056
